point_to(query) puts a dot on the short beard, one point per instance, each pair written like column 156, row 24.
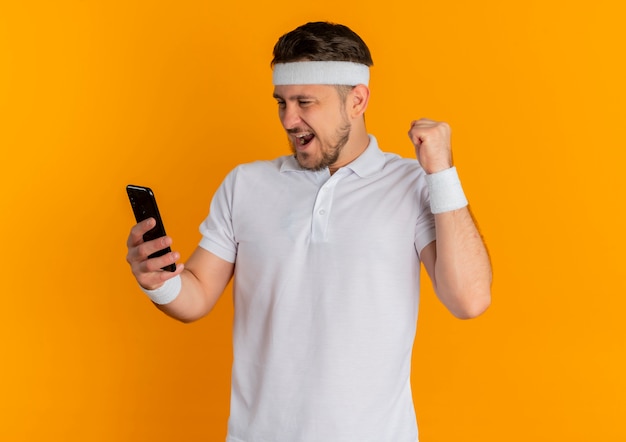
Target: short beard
column 330, row 156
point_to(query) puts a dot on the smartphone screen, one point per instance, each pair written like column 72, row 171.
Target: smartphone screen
column 144, row 206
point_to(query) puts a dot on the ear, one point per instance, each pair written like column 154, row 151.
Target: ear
column 358, row 99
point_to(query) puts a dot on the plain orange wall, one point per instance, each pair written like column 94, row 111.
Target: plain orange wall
column 98, row 94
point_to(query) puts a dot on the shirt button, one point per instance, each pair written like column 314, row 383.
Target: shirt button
column 322, row 212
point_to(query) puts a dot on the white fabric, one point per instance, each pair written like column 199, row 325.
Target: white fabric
column 445, row 190
column 326, row 296
column 166, row 293
column 321, row 72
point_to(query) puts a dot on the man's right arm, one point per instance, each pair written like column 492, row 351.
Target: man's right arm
column 203, row 278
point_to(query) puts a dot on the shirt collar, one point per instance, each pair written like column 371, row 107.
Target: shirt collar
column 370, row 161
column 367, row 164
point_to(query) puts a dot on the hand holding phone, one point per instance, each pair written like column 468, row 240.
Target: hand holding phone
column 144, row 206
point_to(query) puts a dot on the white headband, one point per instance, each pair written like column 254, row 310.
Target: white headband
column 321, row 72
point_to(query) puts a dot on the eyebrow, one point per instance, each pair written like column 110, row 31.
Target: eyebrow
column 294, row 97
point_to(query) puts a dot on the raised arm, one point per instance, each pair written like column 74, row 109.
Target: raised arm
column 202, row 280
column 457, row 261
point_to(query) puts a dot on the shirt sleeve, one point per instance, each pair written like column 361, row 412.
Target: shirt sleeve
column 218, row 234
column 425, row 226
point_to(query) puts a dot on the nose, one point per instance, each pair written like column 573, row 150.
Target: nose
column 289, row 116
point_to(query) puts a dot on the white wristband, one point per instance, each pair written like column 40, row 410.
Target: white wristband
column 446, row 193
column 166, row 293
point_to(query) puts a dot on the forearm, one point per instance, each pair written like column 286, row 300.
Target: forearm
column 462, row 273
column 203, row 280
column 192, row 302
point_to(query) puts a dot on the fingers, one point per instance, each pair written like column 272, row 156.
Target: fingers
column 147, row 270
column 423, row 122
column 138, row 250
column 153, row 279
column 432, row 144
column 424, row 127
column 140, row 254
column 136, row 233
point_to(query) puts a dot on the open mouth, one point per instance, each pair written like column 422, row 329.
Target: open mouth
column 304, row 138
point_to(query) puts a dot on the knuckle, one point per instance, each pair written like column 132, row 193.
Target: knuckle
column 143, row 281
column 148, row 266
column 152, row 265
column 138, row 253
column 143, row 251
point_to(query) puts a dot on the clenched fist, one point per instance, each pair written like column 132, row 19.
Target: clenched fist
column 432, row 144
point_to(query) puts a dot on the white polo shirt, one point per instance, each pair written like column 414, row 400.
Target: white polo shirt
column 326, row 294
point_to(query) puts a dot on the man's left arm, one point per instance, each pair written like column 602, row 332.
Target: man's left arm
column 457, row 261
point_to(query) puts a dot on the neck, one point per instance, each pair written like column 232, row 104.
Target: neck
column 351, row 151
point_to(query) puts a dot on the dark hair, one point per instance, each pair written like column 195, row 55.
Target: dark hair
column 321, row 41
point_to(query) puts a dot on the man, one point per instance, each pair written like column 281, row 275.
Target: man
column 325, row 247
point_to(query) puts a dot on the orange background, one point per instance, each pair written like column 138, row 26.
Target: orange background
column 98, row 94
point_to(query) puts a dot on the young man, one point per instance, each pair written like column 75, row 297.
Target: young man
column 325, row 247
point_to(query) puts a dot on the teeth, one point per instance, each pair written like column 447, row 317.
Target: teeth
column 301, row 137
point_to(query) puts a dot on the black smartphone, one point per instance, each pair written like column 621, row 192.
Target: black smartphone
column 144, row 206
